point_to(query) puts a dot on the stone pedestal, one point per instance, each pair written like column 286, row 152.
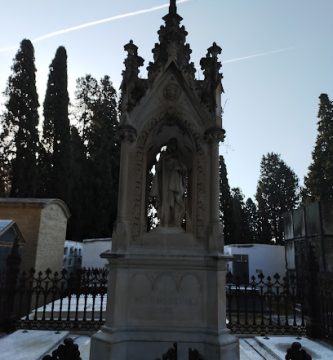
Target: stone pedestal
column 157, row 300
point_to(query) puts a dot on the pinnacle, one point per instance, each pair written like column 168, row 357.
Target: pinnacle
column 173, row 7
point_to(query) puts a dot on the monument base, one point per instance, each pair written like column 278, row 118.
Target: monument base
column 111, row 344
column 158, row 300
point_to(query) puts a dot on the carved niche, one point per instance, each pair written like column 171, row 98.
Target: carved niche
column 155, row 134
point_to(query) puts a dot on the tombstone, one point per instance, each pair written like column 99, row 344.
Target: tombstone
column 167, row 277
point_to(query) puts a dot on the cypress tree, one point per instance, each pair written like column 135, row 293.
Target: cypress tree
column 19, row 137
column 55, row 160
column 97, row 105
column 277, row 193
column 319, row 181
column 104, row 156
column 264, row 227
column 226, row 208
column 79, row 194
column 4, row 170
column 240, row 225
column 251, row 215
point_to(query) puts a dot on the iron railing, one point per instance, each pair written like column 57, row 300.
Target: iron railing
column 265, row 305
column 326, row 305
column 77, row 301
column 65, row 300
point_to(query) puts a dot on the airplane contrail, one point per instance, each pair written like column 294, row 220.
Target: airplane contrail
column 257, row 55
column 94, row 23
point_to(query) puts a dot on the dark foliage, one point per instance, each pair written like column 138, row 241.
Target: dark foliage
column 79, row 191
column 277, row 193
column 239, row 221
column 251, row 220
column 19, row 137
column 55, row 158
column 226, row 207
column 97, row 115
column 319, row 181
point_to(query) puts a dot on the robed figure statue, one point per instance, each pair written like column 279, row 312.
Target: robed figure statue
column 168, row 187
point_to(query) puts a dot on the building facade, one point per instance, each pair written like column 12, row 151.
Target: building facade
column 92, row 250
column 255, row 259
column 43, row 224
column 72, row 255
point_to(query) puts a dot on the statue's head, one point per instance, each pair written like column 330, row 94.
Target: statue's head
column 172, row 145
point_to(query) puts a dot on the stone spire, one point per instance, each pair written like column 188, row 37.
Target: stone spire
column 172, row 46
column 132, row 63
column 211, row 84
column 173, row 7
column 132, row 87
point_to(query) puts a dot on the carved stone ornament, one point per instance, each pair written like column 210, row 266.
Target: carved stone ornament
column 172, row 92
column 66, row 351
column 194, row 355
column 214, row 134
column 127, row 133
column 172, row 46
column 171, row 354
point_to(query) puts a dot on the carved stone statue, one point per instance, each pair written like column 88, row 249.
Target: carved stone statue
column 169, row 186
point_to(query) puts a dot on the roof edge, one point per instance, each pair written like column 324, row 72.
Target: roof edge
column 38, row 202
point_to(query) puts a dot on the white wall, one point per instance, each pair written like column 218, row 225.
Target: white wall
column 269, row 259
column 51, row 238
column 91, row 251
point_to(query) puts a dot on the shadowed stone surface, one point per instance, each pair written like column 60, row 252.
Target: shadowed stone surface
column 30, row 344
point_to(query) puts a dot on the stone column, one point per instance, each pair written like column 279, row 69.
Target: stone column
column 213, row 136
column 122, row 232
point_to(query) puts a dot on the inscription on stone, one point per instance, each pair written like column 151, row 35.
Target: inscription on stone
column 167, row 298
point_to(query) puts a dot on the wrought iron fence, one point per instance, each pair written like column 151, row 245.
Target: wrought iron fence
column 265, row 305
column 77, row 300
column 326, row 304
column 65, row 300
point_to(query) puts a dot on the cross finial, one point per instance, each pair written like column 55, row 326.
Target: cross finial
column 173, row 7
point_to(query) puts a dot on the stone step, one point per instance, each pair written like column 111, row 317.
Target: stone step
column 278, row 346
column 83, row 342
column 30, row 344
column 250, row 349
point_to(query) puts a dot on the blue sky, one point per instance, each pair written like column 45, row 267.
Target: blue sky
column 271, row 101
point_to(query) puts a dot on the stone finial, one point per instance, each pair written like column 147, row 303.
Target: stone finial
column 171, row 354
column 67, row 351
column 132, row 63
column 172, row 7
column 131, row 48
column 214, row 50
column 194, row 355
column 132, row 87
column 296, row 352
column 211, row 66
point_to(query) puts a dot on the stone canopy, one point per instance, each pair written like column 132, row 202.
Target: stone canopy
column 171, row 104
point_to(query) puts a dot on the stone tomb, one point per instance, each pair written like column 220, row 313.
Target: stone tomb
column 167, row 277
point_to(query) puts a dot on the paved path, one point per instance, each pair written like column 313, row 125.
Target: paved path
column 34, row 344
column 250, row 349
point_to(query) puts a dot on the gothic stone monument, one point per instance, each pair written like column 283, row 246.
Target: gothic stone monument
column 167, row 285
